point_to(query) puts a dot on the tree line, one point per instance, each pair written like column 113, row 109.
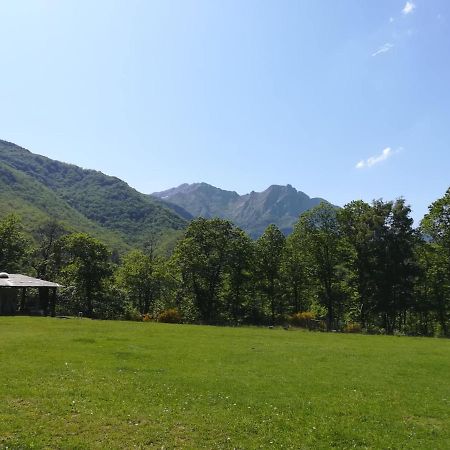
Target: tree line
column 360, row 267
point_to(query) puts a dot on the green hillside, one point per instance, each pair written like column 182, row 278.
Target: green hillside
column 254, row 212
column 38, row 188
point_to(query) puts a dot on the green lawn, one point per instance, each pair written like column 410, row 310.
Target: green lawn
column 87, row 384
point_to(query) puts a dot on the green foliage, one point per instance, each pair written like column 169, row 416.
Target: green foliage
column 432, row 304
column 328, row 256
column 46, row 255
column 136, row 278
column 363, row 230
column 269, row 253
column 254, row 212
column 85, row 270
column 40, row 189
column 145, row 280
column 13, row 245
column 436, row 223
column 131, row 313
column 396, row 277
column 37, row 205
column 237, row 286
column 385, row 267
column 435, row 262
column 203, row 258
column 294, row 272
column 362, row 264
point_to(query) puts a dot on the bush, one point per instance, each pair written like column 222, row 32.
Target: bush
column 171, row 315
column 305, row 319
column 131, row 313
column 352, row 327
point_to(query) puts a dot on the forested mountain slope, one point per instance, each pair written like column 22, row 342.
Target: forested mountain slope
column 253, row 212
column 38, row 188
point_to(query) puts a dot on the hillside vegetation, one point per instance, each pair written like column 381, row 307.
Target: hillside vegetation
column 36, row 204
column 117, row 385
column 254, row 212
column 363, row 267
column 359, row 268
column 39, row 188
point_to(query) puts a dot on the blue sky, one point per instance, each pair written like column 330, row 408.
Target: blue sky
column 342, row 99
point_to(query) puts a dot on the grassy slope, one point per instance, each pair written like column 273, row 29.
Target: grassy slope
column 79, row 383
column 106, row 202
column 35, row 204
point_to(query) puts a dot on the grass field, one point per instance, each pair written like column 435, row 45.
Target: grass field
column 87, row 384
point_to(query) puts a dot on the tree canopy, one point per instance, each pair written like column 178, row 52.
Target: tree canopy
column 360, row 267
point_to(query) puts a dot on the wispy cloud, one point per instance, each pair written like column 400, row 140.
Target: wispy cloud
column 369, row 162
column 408, row 8
column 383, row 49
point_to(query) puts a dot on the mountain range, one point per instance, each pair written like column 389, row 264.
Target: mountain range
column 39, row 189
column 253, row 212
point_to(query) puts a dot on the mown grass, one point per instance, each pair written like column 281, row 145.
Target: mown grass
column 91, row 384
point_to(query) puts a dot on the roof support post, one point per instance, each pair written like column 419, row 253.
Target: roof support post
column 44, row 300
column 53, row 302
column 23, row 300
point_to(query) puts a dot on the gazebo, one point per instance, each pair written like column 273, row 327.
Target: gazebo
column 13, row 284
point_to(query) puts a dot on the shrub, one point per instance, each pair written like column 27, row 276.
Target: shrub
column 147, row 317
column 303, row 319
column 131, row 313
column 171, row 315
column 352, row 327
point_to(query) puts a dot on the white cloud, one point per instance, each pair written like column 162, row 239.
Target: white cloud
column 383, row 49
column 391, row 19
column 408, row 8
column 369, row 162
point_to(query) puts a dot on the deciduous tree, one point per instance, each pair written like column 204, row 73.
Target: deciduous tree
column 327, row 255
column 269, row 253
column 86, row 268
column 13, row 244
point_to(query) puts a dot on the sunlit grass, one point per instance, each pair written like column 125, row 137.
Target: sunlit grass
column 87, row 384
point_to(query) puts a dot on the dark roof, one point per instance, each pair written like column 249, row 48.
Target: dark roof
column 18, row 280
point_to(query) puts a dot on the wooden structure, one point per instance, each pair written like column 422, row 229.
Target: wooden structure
column 13, row 295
